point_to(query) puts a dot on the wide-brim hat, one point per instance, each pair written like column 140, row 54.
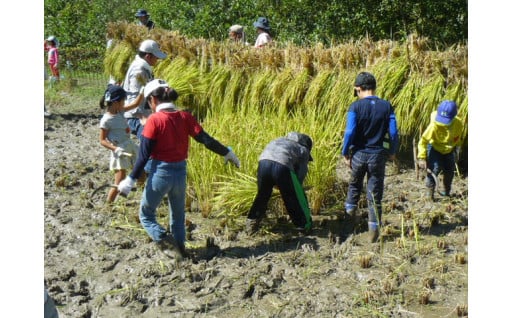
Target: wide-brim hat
column 141, row 13
column 262, row 23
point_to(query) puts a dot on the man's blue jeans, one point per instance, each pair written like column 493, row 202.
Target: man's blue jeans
column 372, row 165
column 164, row 178
column 135, row 126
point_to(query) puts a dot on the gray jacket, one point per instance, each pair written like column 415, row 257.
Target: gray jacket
column 291, row 151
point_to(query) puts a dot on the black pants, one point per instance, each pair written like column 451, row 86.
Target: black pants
column 271, row 173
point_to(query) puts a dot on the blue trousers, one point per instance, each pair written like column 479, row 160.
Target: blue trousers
column 372, row 166
column 135, row 126
column 164, row 178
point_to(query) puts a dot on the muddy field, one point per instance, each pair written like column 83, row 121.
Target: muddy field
column 100, row 263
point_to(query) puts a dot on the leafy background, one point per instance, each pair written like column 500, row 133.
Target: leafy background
column 82, row 24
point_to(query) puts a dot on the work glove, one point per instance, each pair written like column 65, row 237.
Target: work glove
column 118, row 152
column 422, row 164
column 230, row 156
column 126, row 186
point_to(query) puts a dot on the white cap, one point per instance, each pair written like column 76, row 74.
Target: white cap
column 150, row 46
column 153, row 85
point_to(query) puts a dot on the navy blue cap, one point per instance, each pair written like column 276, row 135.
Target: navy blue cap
column 114, row 93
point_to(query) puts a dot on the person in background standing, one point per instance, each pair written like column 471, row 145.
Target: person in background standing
column 370, row 121
column 144, row 20
column 439, row 145
column 236, row 34
column 163, row 155
column 263, row 29
column 283, row 163
column 53, row 57
column 139, row 73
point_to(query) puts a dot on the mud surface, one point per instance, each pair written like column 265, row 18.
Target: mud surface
column 100, row 263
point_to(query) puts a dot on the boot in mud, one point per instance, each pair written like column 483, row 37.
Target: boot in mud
column 373, row 235
column 252, row 226
column 373, row 232
column 430, row 194
column 170, row 247
column 349, row 221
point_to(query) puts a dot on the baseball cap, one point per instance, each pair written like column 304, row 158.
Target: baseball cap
column 150, row 46
column 236, row 28
column 303, row 140
column 153, row 85
column 114, row 93
column 365, row 79
column 446, row 111
column 141, row 13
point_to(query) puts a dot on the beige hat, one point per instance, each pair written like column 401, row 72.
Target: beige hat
column 236, row 28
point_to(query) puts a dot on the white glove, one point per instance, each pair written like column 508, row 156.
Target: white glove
column 141, row 91
column 118, row 152
column 230, row 156
column 422, row 164
column 126, row 186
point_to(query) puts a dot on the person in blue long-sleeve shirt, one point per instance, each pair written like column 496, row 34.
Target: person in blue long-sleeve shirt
column 370, row 139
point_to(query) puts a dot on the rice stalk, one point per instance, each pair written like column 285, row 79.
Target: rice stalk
column 391, row 76
column 294, row 91
column 317, row 88
column 233, row 197
column 425, row 103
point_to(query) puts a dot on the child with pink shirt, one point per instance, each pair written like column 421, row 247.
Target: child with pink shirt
column 53, row 57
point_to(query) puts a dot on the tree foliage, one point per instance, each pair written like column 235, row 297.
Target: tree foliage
column 82, row 23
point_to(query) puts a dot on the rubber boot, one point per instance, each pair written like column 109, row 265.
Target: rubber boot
column 352, row 221
column 446, row 192
column 183, row 251
column 169, row 247
column 430, row 194
column 252, row 226
column 373, row 232
column 373, row 235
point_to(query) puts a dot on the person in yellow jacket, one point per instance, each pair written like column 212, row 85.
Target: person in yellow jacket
column 438, row 146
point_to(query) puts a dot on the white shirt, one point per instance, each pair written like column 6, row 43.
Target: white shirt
column 262, row 39
column 138, row 74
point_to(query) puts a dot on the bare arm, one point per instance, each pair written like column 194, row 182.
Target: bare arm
column 136, row 102
column 104, row 141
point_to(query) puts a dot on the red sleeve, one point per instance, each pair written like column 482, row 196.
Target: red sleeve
column 149, row 128
column 194, row 127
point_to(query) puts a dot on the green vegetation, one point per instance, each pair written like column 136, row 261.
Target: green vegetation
column 81, row 26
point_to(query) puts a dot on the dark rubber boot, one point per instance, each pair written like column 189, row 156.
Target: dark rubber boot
column 430, row 194
column 252, row 226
